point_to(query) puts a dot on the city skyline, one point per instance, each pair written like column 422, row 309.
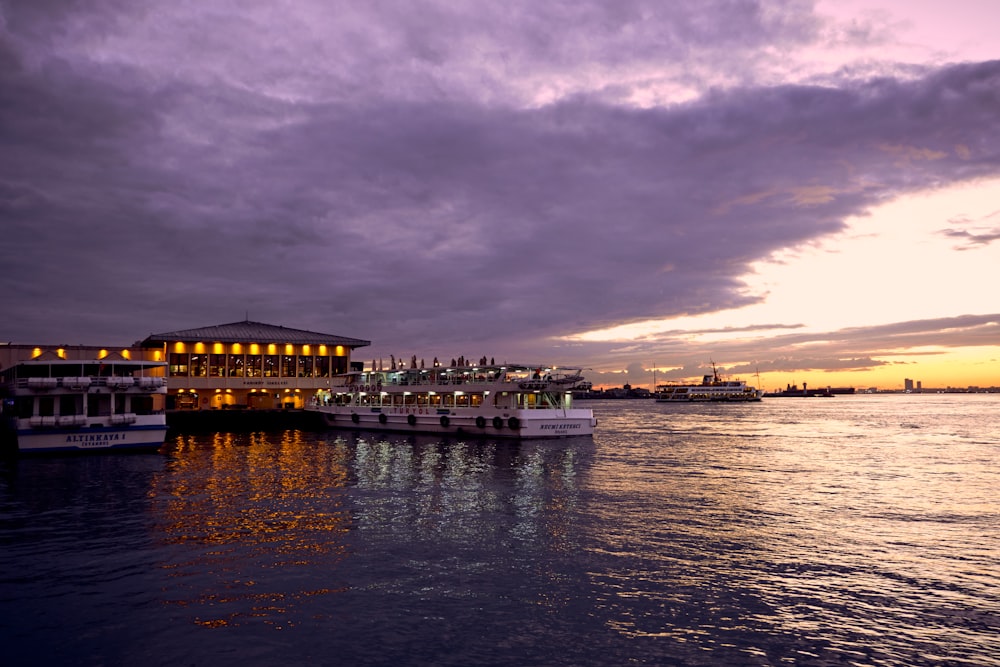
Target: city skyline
column 804, row 190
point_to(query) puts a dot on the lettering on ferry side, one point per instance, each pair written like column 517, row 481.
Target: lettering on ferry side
column 94, row 438
column 551, row 427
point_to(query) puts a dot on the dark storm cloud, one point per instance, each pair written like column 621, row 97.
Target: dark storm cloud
column 440, row 179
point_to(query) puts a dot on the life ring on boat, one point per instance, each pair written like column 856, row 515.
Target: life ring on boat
column 514, row 423
column 498, row 422
column 445, row 421
column 355, row 418
column 411, row 419
column 481, row 421
column 382, row 418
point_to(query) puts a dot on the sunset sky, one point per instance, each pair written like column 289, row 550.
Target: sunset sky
column 805, row 190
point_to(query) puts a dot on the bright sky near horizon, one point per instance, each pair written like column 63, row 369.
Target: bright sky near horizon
column 808, row 190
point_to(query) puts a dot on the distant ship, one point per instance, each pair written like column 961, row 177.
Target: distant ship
column 712, row 388
column 793, row 391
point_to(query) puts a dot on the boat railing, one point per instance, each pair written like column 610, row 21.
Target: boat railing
column 121, row 382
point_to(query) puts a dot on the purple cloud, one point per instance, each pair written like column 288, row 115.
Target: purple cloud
column 451, row 180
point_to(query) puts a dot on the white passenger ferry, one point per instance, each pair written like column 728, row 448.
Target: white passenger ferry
column 498, row 401
column 712, row 388
column 58, row 405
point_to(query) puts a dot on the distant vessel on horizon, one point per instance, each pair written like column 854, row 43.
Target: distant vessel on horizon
column 712, row 388
column 793, row 391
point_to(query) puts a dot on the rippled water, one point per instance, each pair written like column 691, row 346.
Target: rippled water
column 853, row 530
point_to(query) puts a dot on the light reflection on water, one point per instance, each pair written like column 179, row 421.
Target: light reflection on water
column 854, row 530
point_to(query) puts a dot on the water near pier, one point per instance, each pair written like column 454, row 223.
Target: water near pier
column 852, row 530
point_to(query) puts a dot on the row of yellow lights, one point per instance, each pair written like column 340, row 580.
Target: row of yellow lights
column 254, row 348
column 61, row 353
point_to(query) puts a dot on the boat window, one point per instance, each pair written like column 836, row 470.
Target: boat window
column 98, row 405
column 462, row 400
column 70, row 404
column 422, row 399
column 24, row 406
column 435, row 399
column 46, row 406
column 142, row 405
column 477, row 400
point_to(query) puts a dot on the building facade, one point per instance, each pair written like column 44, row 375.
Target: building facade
column 248, row 365
column 227, row 366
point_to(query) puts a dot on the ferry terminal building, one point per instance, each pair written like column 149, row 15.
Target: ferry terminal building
column 227, row 366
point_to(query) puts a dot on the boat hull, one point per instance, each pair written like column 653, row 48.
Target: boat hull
column 99, row 438
column 711, row 399
column 509, row 424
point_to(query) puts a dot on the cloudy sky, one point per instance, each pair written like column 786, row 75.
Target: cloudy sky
column 808, row 190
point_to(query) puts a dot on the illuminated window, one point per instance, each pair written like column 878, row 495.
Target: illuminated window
column 217, row 365
column 178, row 364
column 271, row 365
column 199, row 365
column 254, row 366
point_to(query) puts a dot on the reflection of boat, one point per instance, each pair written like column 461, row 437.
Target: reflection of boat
column 712, row 388
column 54, row 405
column 499, row 401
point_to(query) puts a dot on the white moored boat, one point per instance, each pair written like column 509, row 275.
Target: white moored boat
column 499, row 401
column 58, row 405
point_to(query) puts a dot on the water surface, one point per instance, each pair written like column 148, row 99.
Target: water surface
column 851, row 530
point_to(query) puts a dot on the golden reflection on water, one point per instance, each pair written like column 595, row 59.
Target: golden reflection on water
column 243, row 512
column 253, row 522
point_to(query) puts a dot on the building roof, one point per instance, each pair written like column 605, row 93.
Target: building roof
column 251, row 332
